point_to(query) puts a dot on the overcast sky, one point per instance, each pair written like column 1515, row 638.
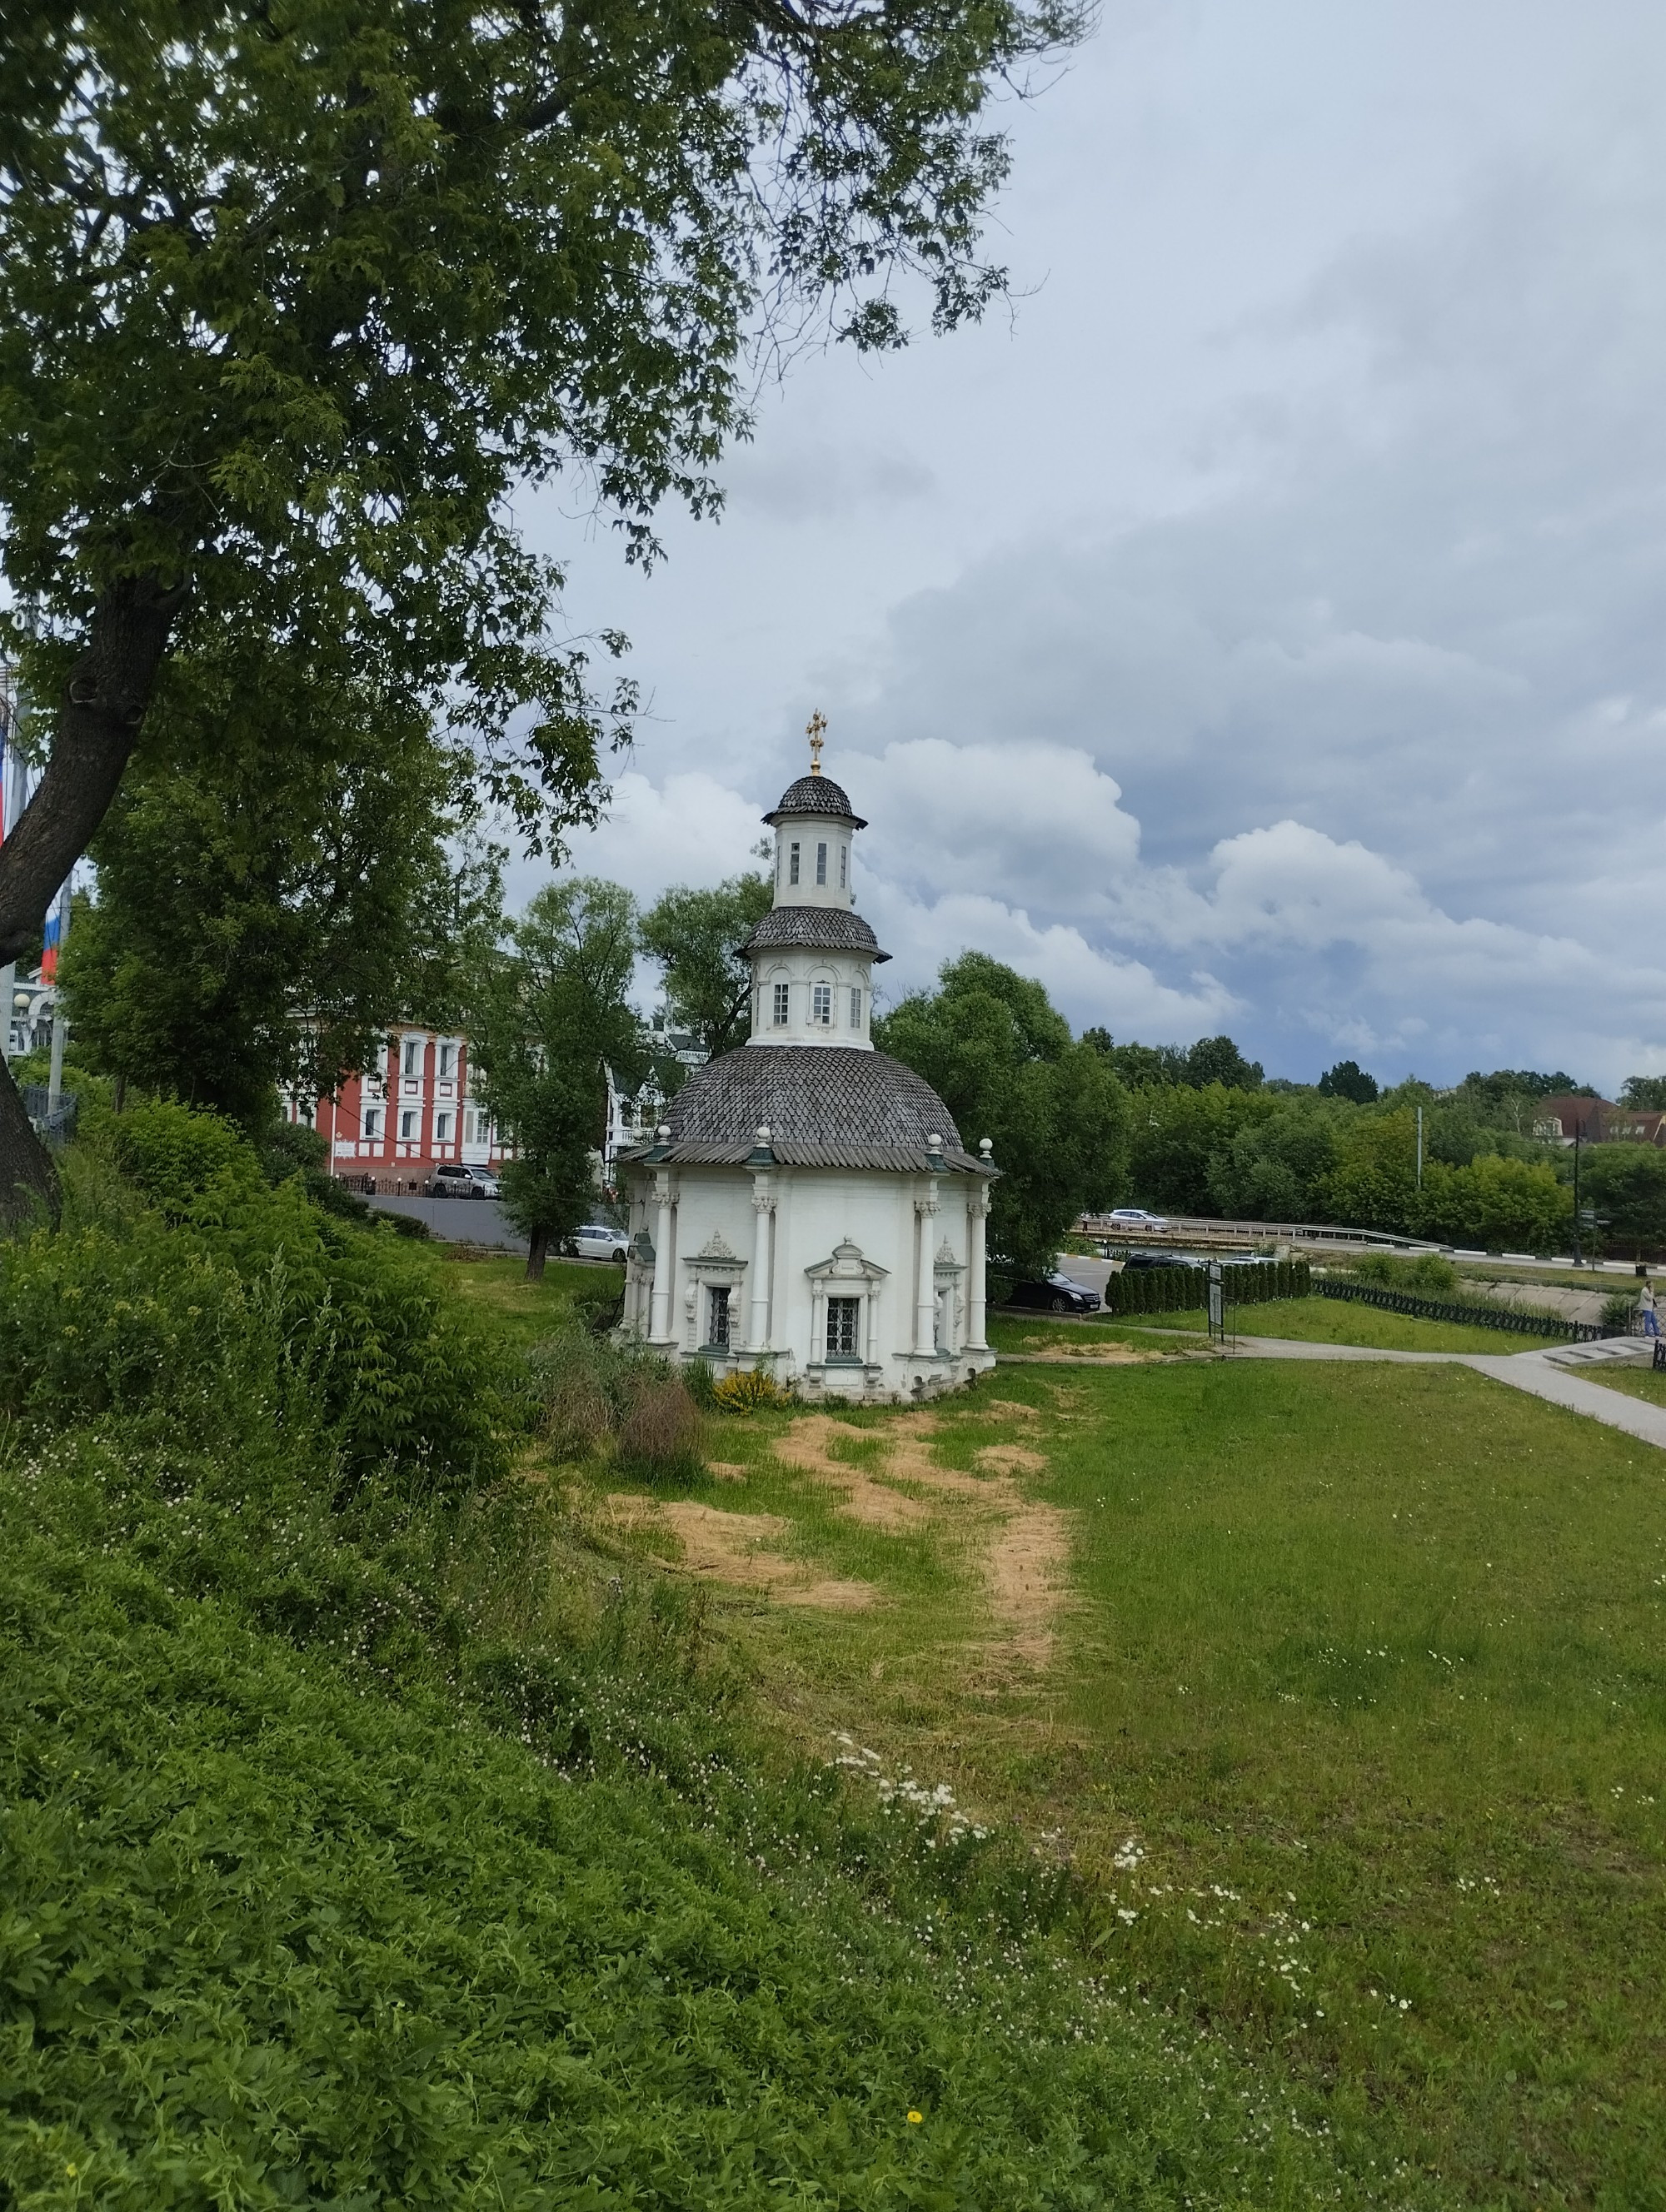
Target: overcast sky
column 1259, row 627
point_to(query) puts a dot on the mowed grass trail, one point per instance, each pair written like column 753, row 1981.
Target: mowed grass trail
column 1354, row 1716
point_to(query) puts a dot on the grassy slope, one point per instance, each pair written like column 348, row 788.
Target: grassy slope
column 525, row 1311
column 1366, row 1662
column 300, row 1918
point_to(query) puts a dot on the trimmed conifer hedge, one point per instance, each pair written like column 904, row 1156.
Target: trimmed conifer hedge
column 1182, row 1290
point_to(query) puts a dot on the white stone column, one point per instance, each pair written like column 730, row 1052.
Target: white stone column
column 978, row 1215
column 763, row 1206
column 817, row 1322
column 660, row 1315
column 925, row 1288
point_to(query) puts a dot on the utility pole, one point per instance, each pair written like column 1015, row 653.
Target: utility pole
column 60, row 1024
column 11, row 775
column 1420, row 1148
column 1577, row 1261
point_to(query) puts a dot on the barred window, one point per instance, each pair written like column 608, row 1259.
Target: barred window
column 782, row 994
column 717, row 1317
column 821, row 864
column 843, row 1317
column 821, row 1004
column 792, row 864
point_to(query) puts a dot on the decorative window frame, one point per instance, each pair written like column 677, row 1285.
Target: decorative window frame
column 715, row 1266
column 846, row 1272
column 947, row 1274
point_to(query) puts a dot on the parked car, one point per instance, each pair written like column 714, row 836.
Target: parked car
column 452, row 1179
column 1135, row 1217
column 1055, row 1293
column 596, row 1241
column 1162, row 1260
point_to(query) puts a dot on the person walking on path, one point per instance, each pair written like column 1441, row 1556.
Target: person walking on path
column 1645, row 1298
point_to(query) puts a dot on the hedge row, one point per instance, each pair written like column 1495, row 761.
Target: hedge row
column 1513, row 1320
column 1183, row 1290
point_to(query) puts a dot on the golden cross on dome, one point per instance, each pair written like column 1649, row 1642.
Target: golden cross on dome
column 813, row 730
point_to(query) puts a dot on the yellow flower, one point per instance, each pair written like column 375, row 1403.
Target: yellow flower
column 915, row 2118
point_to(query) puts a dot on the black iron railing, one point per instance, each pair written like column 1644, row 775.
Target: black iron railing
column 1511, row 1319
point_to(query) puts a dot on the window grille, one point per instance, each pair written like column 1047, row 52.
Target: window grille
column 781, row 996
column 855, row 1010
column 792, row 864
column 844, row 1317
column 821, row 864
column 717, row 1317
column 821, row 1004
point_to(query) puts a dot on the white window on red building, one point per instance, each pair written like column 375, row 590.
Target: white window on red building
column 408, row 1120
column 373, row 1122
column 442, row 1128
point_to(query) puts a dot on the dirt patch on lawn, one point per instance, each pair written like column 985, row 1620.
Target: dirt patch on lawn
column 1026, row 1546
column 735, row 1547
column 1011, row 1459
column 1108, row 1355
column 1028, row 1580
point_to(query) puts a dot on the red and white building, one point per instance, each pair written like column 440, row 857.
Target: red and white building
column 396, row 1122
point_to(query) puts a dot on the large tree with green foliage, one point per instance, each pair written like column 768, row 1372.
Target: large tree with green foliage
column 1002, row 1059
column 266, row 909
column 293, row 298
column 695, row 936
column 550, row 1017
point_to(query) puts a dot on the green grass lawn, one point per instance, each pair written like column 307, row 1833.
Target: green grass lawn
column 526, row 1311
column 1310, row 1321
column 1356, row 1718
column 1635, row 1382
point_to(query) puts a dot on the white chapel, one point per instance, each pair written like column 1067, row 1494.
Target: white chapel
column 807, row 1207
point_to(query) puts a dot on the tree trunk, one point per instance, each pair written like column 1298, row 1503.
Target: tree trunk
column 536, row 1252
column 98, row 721
column 28, row 1181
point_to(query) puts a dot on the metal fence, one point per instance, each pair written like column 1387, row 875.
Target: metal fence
column 53, row 1126
column 1512, row 1321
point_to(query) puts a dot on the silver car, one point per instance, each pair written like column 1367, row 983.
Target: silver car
column 596, row 1241
column 1135, row 1217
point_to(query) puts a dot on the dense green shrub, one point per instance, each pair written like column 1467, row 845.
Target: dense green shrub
column 1182, row 1290
column 1425, row 1273
column 224, row 1304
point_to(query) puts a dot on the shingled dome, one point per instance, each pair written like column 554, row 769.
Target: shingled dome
column 829, row 1106
column 819, row 928
column 815, row 794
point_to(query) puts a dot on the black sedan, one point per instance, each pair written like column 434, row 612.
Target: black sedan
column 1055, row 1293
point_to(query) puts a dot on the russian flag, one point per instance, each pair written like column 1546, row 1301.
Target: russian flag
column 58, row 928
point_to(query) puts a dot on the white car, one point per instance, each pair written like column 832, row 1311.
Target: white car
column 596, row 1241
column 452, row 1179
column 1135, row 1217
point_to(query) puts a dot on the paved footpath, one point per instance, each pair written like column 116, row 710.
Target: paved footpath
column 1532, row 1371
